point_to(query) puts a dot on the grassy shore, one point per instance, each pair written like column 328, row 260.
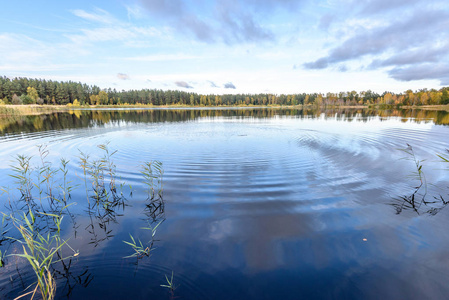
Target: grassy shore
column 428, row 107
column 34, row 109
column 29, row 110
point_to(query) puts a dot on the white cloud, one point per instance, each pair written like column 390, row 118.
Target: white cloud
column 21, row 48
column 103, row 34
column 110, row 29
column 134, row 11
column 164, row 57
column 100, row 16
column 123, row 76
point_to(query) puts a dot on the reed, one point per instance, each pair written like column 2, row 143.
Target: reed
column 444, row 157
column 141, row 250
column 39, row 250
column 37, row 213
column 99, row 176
column 419, row 200
column 42, row 197
column 170, row 285
column 22, row 173
column 152, row 173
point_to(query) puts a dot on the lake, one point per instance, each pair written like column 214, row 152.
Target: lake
column 255, row 203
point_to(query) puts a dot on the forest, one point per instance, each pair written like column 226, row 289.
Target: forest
column 22, row 90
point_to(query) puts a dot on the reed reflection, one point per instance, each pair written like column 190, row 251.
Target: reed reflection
column 419, row 200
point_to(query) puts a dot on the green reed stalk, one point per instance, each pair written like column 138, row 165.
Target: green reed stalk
column 170, row 284
column 39, row 251
column 22, row 173
column 152, row 171
column 84, row 159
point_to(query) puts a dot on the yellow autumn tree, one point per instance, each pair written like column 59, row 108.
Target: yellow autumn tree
column 306, row 100
column 32, row 93
column 387, row 98
column 424, row 98
column 103, row 97
column 94, row 100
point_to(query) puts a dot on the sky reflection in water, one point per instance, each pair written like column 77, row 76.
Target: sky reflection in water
column 259, row 203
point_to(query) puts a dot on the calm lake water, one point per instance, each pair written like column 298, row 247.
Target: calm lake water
column 257, row 204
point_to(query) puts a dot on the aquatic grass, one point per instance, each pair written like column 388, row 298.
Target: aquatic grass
column 41, row 199
column 96, row 172
column 416, row 198
column 38, row 224
column 5, row 241
column 2, row 258
column 39, row 250
column 45, row 173
column 152, row 174
column 418, row 174
column 109, row 165
column 444, row 157
column 22, row 173
column 138, row 247
column 84, row 164
column 170, row 285
column 419, row 195
column 104, row 195
column 66, row 188
column 96, row 175
column 37, row 183
column 4, row 230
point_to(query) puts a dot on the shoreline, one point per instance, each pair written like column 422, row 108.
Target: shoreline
column 35, row 109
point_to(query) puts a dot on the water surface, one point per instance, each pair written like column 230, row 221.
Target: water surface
column 259, row 203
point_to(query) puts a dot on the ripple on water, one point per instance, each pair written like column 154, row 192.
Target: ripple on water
column 147, row 277
column 236, row 188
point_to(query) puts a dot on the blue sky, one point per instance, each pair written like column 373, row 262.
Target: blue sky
column 227, row 46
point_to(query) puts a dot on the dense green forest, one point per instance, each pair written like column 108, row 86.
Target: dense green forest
column 30, row 91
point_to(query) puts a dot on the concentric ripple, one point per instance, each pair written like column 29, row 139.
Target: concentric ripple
column 253, row 205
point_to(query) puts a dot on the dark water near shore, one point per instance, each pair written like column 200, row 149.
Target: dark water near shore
column 259, row 203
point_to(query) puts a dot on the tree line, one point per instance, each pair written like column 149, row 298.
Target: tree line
column 22, row 90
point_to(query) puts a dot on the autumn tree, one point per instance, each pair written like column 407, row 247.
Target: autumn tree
column 103, row 98
column 306, row 100
column 32, row 93
column 388, row 98
column 94, row 100
column 16, row 100
column 319, row 100
column 424, row 98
